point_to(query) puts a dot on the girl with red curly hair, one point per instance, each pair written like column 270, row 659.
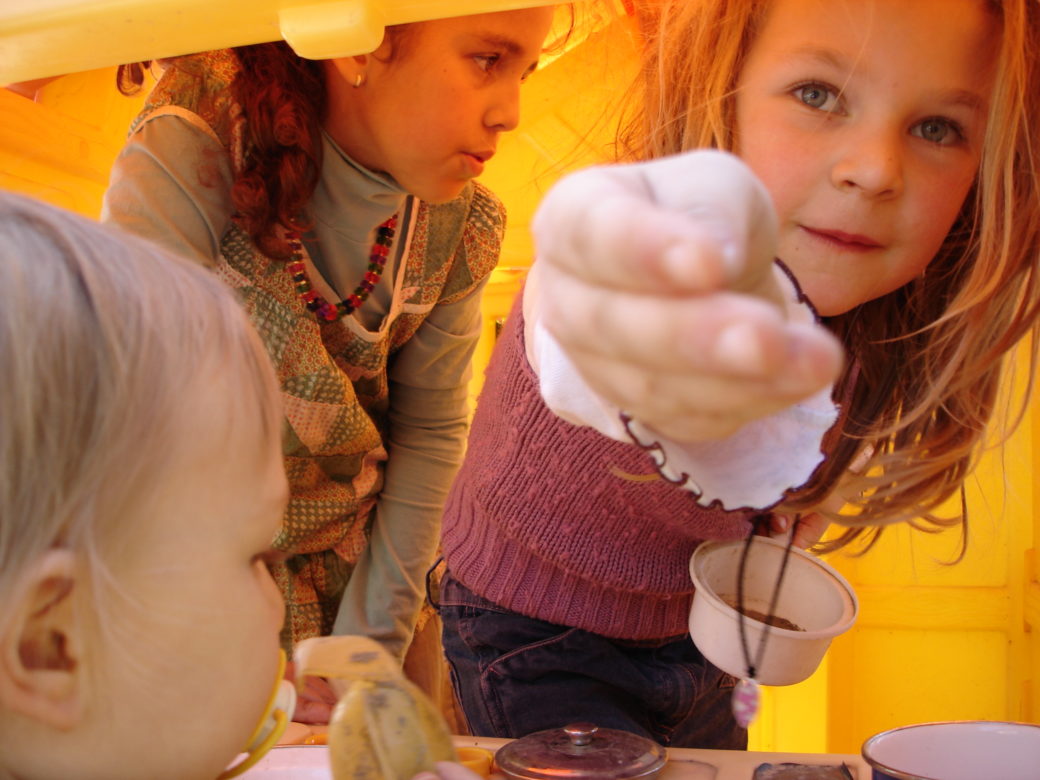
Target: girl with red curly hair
column 338, row 198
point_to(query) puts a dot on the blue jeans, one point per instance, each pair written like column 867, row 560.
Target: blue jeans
column 514, row 675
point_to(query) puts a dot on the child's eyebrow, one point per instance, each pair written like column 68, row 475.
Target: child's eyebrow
column 822, row 55
column 963, row 97
column 496, row 41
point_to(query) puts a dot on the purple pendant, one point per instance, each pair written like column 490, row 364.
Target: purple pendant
column 746, row 699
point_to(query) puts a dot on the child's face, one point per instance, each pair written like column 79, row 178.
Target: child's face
column 865, row 121
column 431, row 116
column 198, row 630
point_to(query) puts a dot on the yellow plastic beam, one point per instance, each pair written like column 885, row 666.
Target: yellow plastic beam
column 40, row 38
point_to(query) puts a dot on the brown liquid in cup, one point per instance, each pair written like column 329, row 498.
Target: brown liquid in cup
column 771, row 620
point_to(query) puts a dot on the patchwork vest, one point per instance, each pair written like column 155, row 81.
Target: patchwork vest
column 333, row 374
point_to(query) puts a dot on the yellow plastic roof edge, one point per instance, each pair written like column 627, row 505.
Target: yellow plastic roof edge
column 41, row 38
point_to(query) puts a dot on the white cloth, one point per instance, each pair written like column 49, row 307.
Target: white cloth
column 750, row 469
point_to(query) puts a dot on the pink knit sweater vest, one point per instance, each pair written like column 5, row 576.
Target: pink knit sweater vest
column 563, row 524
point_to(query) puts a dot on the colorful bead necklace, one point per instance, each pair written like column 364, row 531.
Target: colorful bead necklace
column 323, row 309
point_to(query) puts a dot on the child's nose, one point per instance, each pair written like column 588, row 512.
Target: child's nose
column 503, row 114
column 871, row 163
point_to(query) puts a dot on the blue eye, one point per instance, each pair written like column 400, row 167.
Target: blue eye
column 816, row 96
column 937, row 130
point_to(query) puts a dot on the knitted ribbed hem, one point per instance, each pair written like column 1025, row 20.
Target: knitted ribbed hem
column 493, row 565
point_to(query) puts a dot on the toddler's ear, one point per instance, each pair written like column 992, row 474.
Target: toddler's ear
column 41, row 645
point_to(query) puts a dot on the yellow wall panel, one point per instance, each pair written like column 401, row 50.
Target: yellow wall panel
column 940, row 642
column 60, row 147
column 792, row 716
column 906, row 676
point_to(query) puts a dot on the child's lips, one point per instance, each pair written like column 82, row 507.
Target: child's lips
column 477, row 160
column 853, row 241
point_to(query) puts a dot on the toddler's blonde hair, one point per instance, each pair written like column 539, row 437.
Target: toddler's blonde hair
column 104, row 342
column 925, row 360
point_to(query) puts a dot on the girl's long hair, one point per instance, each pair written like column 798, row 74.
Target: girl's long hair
column 926, row 361
column 282, row 97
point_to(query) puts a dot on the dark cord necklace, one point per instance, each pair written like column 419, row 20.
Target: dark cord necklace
column 746, row 695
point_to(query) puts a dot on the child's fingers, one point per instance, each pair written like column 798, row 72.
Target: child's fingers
column 312, row 711
column 692, row 369
column 318, row 689
column 691, row 393
column 606, row 233
column 686, row 406
column 682, row 224
column 724, row 333
column 719, row 192
column 809, row 531
column 314, row 700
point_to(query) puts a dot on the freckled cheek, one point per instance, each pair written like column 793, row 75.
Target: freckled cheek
column 788, row 192
column 936, row 210
column 780, row 167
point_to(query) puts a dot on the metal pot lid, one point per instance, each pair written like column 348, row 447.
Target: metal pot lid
column 581, row 750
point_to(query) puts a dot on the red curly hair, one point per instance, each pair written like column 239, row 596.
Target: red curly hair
column 283, row 99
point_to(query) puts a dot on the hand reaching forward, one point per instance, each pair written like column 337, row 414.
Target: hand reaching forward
column 658, row 280
column 314, row 702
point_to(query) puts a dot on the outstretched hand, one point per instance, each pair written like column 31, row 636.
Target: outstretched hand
column 658, row 281
column 314, row 702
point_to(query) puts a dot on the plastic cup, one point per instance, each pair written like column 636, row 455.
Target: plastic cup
column 814, row 598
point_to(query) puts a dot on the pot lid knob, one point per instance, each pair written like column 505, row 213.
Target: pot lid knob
column 580, row 733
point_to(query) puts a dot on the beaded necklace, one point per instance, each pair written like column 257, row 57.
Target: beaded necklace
column 317, row 305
